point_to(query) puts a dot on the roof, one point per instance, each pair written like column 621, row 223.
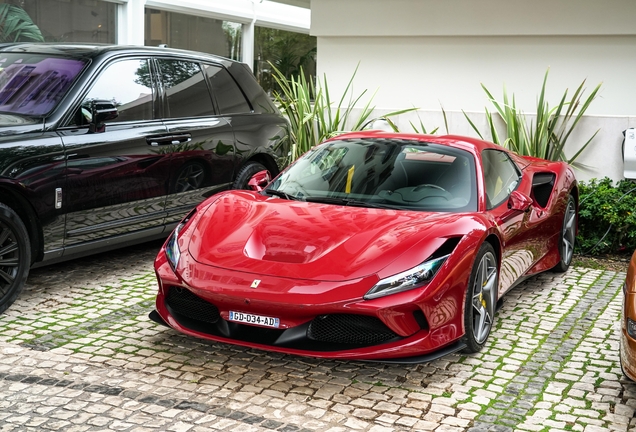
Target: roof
column 81, row 50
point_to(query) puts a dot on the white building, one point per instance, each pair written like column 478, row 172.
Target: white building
column 423, row 53
column 417, row 53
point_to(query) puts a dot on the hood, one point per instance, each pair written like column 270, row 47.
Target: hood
column 247, row 232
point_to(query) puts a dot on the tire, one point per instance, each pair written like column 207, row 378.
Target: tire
column 567, row 237
column 15, row 256
column 245, row 174
column 620, row 362
column 481, row 299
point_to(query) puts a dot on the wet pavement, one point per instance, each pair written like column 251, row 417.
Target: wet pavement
column 78, row 353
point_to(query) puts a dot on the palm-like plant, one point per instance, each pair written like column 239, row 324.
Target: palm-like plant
column 313, row 116
column 16, row 25
column 547, row 135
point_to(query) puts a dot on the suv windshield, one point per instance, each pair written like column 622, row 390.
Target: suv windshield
column 34, row 84
column 385, row 173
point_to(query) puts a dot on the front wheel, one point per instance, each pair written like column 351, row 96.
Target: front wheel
column 15, row 256
column 567, row 237
column 481, row 299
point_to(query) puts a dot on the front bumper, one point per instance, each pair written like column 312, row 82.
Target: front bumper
column 317, row 319
column 627, row 342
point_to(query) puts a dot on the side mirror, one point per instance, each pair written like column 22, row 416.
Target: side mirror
column 101, row 111
column 519, row 201
column 259, row 180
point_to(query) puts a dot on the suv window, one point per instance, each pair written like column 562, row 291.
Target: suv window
column 186, row 89
column 501, row 176
column 128, row 85
column 228, row 95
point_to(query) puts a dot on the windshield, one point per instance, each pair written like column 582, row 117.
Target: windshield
column 385, row 173
column 34, row 84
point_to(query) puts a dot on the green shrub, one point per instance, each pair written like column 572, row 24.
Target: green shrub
column 546, row 135
column 607, row 222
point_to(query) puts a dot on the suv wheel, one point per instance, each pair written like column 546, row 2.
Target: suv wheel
column 15, row 256
column 246, row 173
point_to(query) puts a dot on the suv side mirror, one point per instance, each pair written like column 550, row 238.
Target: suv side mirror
column 519, row 201
column 101, row 111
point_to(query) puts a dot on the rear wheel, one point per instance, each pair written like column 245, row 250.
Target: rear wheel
column 246, row 173
column 567, row 237
column 15, row 256
column 481, row 299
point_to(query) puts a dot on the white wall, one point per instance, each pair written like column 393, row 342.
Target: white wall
column 423, row 53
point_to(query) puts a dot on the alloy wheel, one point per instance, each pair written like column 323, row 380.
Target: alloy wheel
column 568, row 233
column 9, row 259
column 483, row 299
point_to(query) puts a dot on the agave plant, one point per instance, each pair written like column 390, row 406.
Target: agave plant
column 313, row 115
column 16, row 25
column 546, row 136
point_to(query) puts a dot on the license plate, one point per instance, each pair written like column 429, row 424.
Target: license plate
column 247, row 318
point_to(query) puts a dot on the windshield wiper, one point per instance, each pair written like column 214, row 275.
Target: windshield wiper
column 282, row 194
column 351, row 202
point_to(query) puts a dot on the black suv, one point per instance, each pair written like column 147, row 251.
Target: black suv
column 106, row 146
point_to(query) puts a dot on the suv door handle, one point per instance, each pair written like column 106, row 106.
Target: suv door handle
column 159, row 140
column 168, row 139
column 181, row 138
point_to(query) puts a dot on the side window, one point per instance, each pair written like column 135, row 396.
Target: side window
column 227, row 93
column 185, row 88
column 128, row 85
column 501, row 176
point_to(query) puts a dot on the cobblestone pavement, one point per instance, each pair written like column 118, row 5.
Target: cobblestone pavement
column 78, row 353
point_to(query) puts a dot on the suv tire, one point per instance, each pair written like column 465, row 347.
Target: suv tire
column 15, row 256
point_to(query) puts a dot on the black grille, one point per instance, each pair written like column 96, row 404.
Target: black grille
column 349, row 329
column 189, row 305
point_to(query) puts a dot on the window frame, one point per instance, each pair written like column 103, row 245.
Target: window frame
column 489, row 205
column 213, row 93
column 161, row 90
column 157, row 109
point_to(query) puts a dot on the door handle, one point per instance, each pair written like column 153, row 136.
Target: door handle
column 159, row 140
column 169, row 139
column 181, row 138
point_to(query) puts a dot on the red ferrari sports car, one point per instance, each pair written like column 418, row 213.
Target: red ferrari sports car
column 372, row 245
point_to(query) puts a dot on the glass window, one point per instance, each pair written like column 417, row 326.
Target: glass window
column 287, row 51
column 72, row 20
column 193, row 33
column 384, row 173
column 228, row 95
column 185, row 88
column 34, row 84
column 128, row 85
column 501, row 176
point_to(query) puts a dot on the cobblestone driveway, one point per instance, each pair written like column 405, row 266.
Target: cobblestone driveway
column 77, row 352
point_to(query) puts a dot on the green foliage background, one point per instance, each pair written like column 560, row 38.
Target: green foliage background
column 604, row 207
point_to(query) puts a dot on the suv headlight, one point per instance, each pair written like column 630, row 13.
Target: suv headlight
column 407, row 280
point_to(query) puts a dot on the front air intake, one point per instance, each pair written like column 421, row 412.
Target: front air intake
column 349, row 329
column 187, row 304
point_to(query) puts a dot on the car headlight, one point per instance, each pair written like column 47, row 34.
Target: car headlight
column 631, row 328
column 413, row 278
column 173, row 253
